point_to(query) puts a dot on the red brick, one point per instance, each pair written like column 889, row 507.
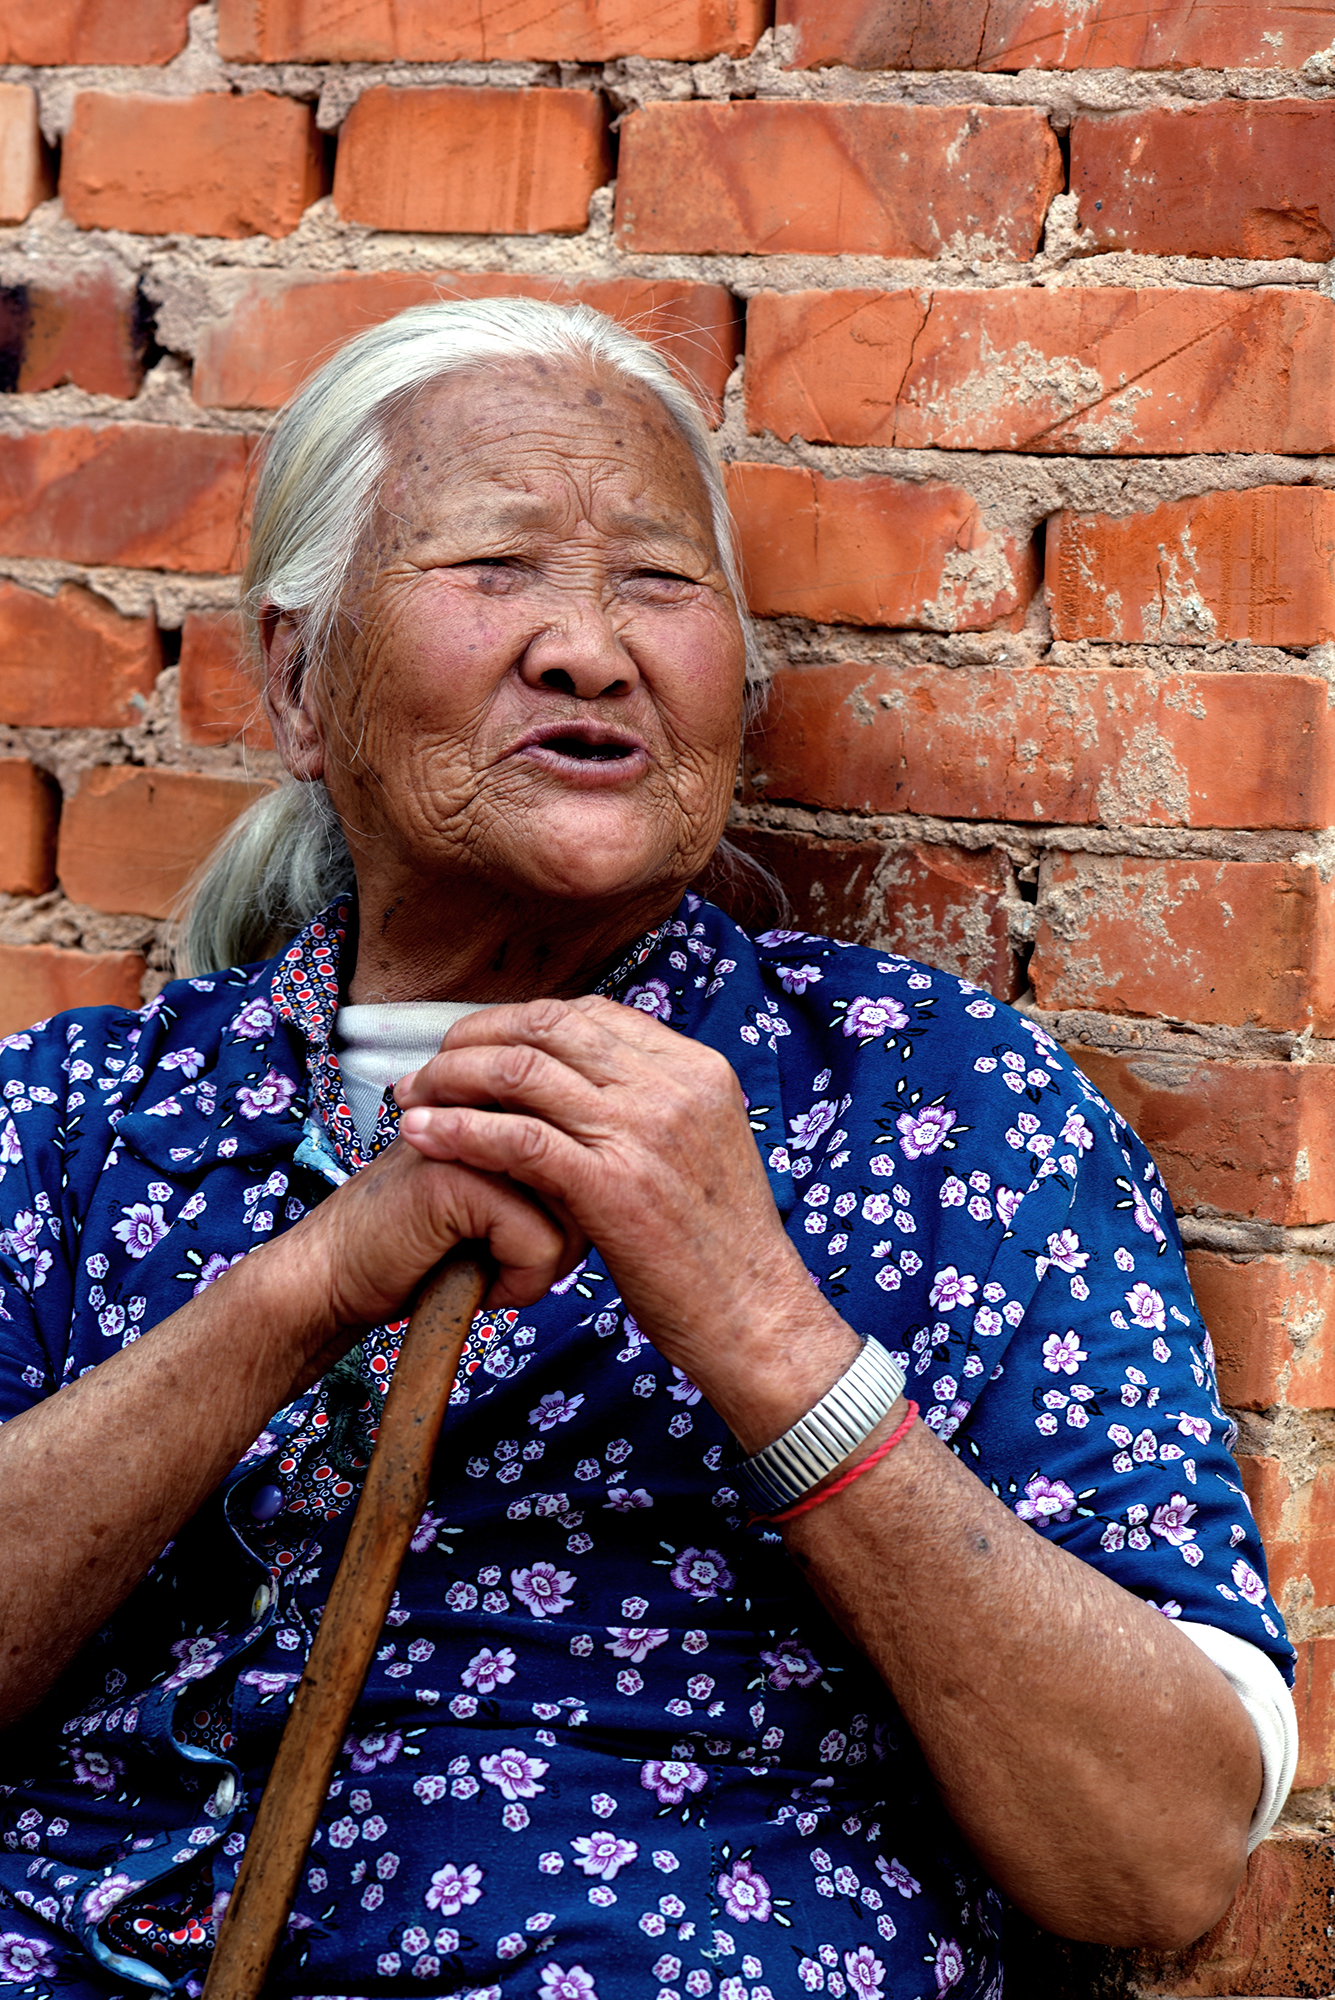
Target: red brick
column 1274, row 1939
column 29, row 810
column 1272, row 1320
column 92, row 31
column 475, row 162
column 25, row 171
column 873, row 551
column 219, row 701
column 130, row 838
column 1111, row 371
column 1051, row 34
column 870, row 180
column 211, row 165
column 138, row 494
column 283, row 325
column 1297, row 1524
column 1314, row 1698
column 1235, row 750
column 37, row 981
column 82, row 327
column 1210, row 180
column 1256, row 565
column 1247, row 1139
column 72, row 661
column 490, row 31
column 1235, row 942
column 943, row 905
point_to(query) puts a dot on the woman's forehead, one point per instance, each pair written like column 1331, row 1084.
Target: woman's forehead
column 531, row 438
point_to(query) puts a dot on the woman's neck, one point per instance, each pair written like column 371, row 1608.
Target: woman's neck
column 456, row 946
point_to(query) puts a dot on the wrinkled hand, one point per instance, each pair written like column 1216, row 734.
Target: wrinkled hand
column 373, row 1241
column 638, row 1138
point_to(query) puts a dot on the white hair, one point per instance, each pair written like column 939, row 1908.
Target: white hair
column 314, row 504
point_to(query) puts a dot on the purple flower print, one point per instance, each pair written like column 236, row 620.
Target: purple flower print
column 1146, row 1307
column 213, row 1269
column 23, row 1233
column 93, row 1769
column 921, row 1132
column 514, row 1773
column 189, row 1061
column 797, row 978
column 948, row 1965
column 140, row 1228
column 1046, row 1500
column 1062, row 1353
column 746, row 1895
column 487, row 1671
column 268, row 1683
column 452, row 1888
column 558, row 1984
column 24, row 1960
column 255, row 1019
column 197, row 1656
column 424, row 1534
column 866, row 1973
column 1249, row 1583
column 1172, row 1521
column 104, row 1895
column 869, row 1018
column 896, row 1876
column 653, row 997
column 603, row 1854
column 634, row 1642
column 542, row 1589
column 1064, row 1251
column 793, row 1666
column 952, row 1288
column 273, row 1094
column 670, row 1780
column 810, row 1127
column 378, row 1746
column 555, row 1408
column 702, row 1572
column 1145, row 1218
column 1008, row 1201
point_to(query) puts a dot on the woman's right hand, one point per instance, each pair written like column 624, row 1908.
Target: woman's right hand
column 366, row 1248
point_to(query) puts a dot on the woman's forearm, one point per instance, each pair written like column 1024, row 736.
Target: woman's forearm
column 1098, row 1763
column 96, row 1480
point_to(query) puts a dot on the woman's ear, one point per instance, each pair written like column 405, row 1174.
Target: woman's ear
column 288, row 694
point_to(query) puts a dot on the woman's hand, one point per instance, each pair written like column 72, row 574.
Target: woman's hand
column 640, row 1138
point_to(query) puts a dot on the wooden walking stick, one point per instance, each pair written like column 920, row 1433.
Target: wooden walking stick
column 393, row 1498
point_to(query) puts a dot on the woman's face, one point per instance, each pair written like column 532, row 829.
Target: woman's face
column 542, row 672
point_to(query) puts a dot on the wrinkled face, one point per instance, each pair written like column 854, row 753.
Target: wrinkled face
column 543, row 668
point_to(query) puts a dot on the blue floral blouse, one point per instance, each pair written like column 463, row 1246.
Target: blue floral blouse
column 611, row 1747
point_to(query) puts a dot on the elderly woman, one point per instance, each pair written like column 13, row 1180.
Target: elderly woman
column 659, row 1708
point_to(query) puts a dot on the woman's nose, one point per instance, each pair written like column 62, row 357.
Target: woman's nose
column 579, row 653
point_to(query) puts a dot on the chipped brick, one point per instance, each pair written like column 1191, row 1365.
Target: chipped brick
column 72, row 661
column 29, row 810
column 130, row 838
column 872, row 180
column 492, row 31
column 874, row 551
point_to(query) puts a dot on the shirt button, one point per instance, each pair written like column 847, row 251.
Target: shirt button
column 265, row 1502
column 261, row 1601
column 225, row 1796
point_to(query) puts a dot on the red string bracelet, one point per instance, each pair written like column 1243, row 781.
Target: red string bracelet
column 863, row 1465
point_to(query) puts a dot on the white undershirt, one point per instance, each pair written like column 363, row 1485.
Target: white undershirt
column 375, row 1046
column 378, row 1045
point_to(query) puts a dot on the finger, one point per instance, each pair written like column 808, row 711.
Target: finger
column 528, row 1150
column 594, row 1035
column 516, row 1076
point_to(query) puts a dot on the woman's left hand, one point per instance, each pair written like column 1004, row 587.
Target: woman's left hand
column 642, row 1138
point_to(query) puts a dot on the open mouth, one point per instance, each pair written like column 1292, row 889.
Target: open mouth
column 579, row 747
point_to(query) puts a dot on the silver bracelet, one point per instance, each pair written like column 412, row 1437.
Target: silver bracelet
column 823, row 1438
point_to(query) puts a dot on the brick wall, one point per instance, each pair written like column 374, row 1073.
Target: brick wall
column 1018, row 322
